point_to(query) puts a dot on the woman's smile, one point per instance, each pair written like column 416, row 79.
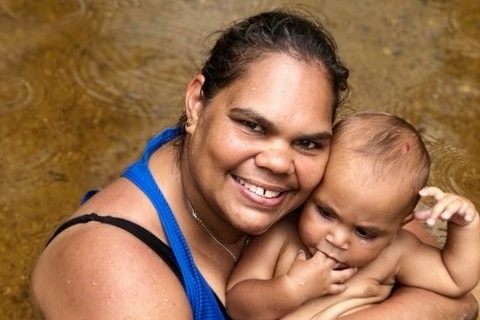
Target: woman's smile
column 258, row 190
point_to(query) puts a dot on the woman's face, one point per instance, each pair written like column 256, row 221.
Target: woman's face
column 257, row 150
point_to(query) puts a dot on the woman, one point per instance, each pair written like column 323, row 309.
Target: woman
column 251, row 145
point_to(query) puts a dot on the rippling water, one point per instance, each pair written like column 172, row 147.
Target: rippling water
column 84, row 83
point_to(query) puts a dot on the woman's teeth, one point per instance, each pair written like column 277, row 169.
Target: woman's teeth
column 259, row 190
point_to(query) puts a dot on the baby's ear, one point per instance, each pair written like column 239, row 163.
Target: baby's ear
column 408, row 218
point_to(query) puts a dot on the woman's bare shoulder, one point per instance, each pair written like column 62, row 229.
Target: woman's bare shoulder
column 98, row 271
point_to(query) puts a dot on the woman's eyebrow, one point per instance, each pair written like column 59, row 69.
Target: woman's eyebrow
column 252, row 114
column 324, row 135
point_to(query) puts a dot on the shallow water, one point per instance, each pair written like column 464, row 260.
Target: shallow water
column 84, row 83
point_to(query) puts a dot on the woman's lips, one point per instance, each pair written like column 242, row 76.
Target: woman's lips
column 258, row 190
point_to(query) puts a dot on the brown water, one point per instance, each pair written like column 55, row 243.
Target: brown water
column 84, row 83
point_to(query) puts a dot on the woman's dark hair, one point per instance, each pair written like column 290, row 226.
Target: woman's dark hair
column 279, row 31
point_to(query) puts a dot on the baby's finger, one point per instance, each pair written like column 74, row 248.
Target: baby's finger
column 436, row 212
column 449, row 204
column 434, row 192
column 321, row 259
column 336, row 288
column 340, row 276
column 465, row 215
column 470, row 213
column 422, row 215
column 301, row 255
column 451, row 208
column 320, row 256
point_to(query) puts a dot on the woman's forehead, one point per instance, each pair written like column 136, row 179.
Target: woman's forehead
column 282, row 87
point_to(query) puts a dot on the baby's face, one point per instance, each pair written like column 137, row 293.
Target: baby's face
column 351, row 219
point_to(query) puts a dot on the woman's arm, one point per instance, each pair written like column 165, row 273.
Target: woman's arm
column 416, row 304
column 361, row 292
column 404, row 303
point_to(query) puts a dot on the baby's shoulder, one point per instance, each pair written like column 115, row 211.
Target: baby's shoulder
column 405, row 237
column 404, row 243
column 288, row 222
column 283, row 231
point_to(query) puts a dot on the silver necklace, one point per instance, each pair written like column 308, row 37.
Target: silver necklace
column 197, row 218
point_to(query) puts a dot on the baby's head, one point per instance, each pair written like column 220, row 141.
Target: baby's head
column 381, row 148
column 377, row 165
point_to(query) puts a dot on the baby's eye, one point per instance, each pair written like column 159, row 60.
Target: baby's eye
column 253, row 126
column 365, row 234
column 325, row 214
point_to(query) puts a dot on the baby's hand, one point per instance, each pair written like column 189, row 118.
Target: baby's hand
column 449, row 207
column 317, row 276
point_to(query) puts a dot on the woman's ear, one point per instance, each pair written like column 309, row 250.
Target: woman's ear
column 193, row 102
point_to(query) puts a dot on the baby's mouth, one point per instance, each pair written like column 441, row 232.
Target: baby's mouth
column 258, row 190
column 340, row 266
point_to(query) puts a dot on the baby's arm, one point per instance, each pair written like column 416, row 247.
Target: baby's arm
column 361, row 292
column 456, row 269
column 272, row 278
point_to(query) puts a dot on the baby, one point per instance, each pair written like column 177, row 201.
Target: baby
column 377, row 170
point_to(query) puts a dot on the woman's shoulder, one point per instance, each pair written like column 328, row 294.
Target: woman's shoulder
column 100, row 271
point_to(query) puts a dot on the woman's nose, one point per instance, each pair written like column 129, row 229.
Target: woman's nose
column 278, row 158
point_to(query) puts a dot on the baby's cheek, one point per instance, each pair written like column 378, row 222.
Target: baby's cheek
column 361, row 257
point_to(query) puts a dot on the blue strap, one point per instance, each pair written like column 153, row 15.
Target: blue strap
column 202, row 299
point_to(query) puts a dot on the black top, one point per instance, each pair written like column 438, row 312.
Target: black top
column 153, row 242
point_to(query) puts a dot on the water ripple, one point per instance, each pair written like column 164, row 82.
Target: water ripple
column 444, row 110
column 463, row 26
column 130, row 78
column 15, row 94
column 41, row 108
column 41, row 11
column 27, row 169
column 143, row 59
column 454, row 171
column 138, row 67
column 464, row 19
column 109, row 5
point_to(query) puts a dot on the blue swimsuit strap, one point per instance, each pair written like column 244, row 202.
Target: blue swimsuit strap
column 200, row 295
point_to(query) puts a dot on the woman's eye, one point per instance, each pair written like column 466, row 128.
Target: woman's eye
column 365, row 234
column 253, row 126
column 307, row 144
